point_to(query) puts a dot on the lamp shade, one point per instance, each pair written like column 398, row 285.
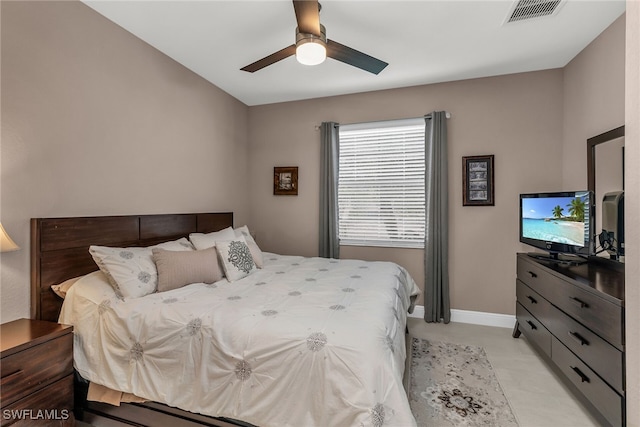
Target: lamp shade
column 6, row 244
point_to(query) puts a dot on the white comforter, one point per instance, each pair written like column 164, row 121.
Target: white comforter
column 301, row 342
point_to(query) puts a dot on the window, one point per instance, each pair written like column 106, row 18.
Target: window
column 381, row 184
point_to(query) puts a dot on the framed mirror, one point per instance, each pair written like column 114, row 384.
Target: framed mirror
column 605, row 177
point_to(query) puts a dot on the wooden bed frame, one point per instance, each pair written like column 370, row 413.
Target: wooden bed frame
column 60, row 251
column 60, row 246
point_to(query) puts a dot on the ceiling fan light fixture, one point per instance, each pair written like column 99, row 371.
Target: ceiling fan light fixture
column 311, row 49
column 312, row 46
column 311, row 52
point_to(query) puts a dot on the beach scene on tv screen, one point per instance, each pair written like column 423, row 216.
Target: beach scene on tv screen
column 554, row 219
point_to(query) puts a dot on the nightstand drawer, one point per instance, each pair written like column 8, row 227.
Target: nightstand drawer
column 35, row 367
column 50, row 406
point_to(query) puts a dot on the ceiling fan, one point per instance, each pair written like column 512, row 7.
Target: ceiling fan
column 312, row 45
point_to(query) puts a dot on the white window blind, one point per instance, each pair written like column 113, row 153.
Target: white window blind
column 381, row 184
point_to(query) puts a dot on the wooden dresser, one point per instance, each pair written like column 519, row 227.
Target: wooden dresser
column 574, row 316
column 37, row 373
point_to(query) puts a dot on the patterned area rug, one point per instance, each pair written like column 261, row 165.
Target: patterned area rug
column 454, row 385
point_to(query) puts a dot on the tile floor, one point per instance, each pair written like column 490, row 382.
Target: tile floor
column 536, row 395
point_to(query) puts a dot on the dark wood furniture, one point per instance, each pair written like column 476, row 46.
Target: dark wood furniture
column 574, row 316
column 60, row 251
column 37, row 373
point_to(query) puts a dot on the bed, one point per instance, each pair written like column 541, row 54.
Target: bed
column 298, row 342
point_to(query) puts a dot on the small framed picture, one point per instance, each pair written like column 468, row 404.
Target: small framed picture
column 285, row 181
column 477, row 181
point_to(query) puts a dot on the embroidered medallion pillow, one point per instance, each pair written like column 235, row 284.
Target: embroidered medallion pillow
column 256, row 253
column 236, row 258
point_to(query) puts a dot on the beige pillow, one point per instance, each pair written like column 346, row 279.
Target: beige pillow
column 208, row 240
column 179, row 268
column 62, row 288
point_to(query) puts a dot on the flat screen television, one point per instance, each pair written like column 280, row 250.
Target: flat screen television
column 558, row 223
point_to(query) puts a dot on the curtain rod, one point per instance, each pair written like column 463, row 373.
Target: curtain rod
column 426, row 116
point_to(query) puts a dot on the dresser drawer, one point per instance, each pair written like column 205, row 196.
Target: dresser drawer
column 50, row 406
column 604, row 398
column 537, row 278
column 601, row 356
column 535, row 304
column 594, row 312
column 35, row 367
column 535, row 332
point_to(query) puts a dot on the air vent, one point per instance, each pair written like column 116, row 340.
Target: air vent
column 529, row 9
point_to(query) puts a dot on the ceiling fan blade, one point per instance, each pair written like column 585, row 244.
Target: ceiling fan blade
column 308, row 16
column 354, row 57
column 271, row 59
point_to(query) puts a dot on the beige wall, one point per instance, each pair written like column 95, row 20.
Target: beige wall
column 594, row 102
column 518, row 118
column 96, row 122
column 632, row 207
column 593, row 99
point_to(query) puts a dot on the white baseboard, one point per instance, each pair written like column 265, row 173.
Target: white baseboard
column 473, row 317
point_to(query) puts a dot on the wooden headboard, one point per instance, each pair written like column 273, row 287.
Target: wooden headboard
column 60, row 246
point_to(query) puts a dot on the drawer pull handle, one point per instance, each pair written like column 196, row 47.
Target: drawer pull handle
column 578, row 302
column 577, row 337
column 533, row 275
column 531, row 324
column 583, row 377
column 532, row 299
column 9, row 378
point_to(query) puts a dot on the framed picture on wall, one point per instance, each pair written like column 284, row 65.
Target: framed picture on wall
column 285, row 181
column 477, row 181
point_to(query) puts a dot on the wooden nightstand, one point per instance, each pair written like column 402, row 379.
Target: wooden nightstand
column 37, row 373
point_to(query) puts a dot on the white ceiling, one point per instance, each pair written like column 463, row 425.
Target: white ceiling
column 424, row 41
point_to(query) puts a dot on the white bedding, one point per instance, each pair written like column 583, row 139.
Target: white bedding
column 300, row 342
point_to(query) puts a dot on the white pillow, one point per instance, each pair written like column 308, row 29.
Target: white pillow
column 205, row 241
column 256, row 253
column 236, row 258
column 131, row 271
column 202, row 241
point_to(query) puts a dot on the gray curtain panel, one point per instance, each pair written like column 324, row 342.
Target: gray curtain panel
column 436, row 287
column 329, row 161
